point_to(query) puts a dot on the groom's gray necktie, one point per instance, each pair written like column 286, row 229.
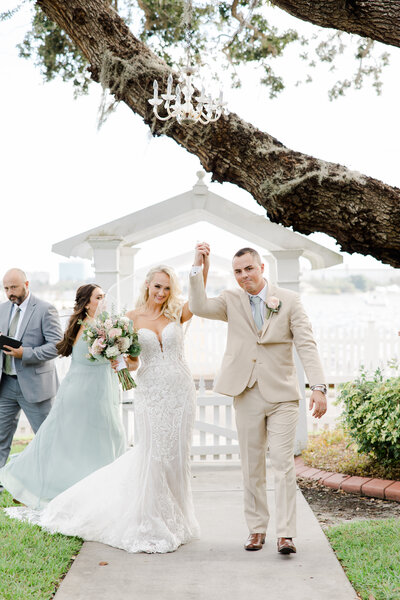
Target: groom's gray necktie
column 12, row 330
column 256, row 302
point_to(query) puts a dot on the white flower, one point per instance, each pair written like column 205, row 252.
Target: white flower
column 112, row 351
column 108, row 323
column 273, row 303
column 89, row 334
column 124, row 321
column 124, row 343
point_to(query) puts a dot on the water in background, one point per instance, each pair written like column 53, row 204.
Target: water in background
column 330, row 310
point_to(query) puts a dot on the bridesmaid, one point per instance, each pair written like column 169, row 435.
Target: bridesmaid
column 83, row 431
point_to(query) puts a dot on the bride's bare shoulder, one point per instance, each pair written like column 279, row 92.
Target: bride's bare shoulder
column 132, row 314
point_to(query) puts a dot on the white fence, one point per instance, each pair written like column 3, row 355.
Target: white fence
column 343, row 351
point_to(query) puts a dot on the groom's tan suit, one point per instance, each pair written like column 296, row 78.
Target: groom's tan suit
column 258, row 370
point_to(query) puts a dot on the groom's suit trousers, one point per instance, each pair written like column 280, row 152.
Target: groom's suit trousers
column 261, row 424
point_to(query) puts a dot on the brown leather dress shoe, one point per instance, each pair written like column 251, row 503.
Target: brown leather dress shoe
column 255, row 541
column 286, row 546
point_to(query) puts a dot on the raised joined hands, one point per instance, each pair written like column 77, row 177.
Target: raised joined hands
column 202, row 254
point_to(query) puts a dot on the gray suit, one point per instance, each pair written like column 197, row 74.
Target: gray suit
column 36, row 383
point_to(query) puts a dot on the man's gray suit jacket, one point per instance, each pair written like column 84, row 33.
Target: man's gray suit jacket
column 39, row 333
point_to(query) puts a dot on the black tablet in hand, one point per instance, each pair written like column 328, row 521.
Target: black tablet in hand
column 5, row 340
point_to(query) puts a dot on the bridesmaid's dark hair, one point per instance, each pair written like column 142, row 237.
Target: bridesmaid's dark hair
column 82, row 298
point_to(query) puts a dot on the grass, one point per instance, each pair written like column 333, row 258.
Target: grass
column 335, row 451
column 19, row 444
column 372, row 568
column 32, row 562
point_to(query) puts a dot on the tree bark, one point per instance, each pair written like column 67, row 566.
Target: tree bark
column 297, row 190
column 375, row 19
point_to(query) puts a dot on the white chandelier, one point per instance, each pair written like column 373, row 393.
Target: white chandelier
column 181, row 105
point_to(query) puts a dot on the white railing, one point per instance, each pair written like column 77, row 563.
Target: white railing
column 344, row 350
column 214, row 433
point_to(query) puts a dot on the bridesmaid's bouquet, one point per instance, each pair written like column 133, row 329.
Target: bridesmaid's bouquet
column 112, row 336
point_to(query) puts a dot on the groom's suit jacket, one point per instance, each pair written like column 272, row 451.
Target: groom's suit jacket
column 39, row 332
column 266, row 356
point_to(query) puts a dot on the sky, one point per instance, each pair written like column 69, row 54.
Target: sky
column 59, row 175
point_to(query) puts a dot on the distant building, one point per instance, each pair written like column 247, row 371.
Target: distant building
column 72, row 271
column 41, row 277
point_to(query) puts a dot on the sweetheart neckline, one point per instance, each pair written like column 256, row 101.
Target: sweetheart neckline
column 155, row 333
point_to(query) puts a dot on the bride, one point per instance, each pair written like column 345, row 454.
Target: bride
column 142, row 502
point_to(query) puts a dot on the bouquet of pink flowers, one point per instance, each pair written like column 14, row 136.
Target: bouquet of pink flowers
column 112, row 336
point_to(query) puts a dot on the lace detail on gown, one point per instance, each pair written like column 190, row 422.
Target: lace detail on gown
column 142, row 502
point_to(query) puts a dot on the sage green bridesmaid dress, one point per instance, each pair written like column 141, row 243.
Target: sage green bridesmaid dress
column 82, row 433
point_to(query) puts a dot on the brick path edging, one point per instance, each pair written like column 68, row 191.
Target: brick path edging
column 364, row 486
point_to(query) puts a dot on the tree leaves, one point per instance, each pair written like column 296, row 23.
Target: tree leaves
column 228, row 34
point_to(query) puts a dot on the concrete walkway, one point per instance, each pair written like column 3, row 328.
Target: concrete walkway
column 216, row 567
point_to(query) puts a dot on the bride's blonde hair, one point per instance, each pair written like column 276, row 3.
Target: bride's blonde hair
column 172, row 307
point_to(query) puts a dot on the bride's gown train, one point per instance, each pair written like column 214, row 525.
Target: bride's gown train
column 142, row 502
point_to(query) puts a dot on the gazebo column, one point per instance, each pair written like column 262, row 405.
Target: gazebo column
column 106, row 260
column 288, row 273
column 270, row 261
column 288, row 268
column 127, row 280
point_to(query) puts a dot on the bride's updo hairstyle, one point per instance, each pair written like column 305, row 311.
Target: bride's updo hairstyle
column 172, row 307
column 82, row 299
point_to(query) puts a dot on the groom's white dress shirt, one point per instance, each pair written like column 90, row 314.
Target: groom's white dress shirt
column 23, row 306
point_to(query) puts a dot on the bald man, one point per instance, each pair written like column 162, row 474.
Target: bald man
column 28, row 377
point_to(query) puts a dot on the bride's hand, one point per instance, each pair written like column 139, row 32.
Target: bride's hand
column 132, row 363
column 206, row 261
column 114, row 364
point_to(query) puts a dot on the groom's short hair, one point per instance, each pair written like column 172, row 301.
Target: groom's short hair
column 249, row 251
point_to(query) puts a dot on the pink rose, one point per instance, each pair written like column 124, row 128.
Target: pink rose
column 96, row 348
column 115, row 332
column 273, row 303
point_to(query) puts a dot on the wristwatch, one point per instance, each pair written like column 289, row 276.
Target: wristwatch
column 321, row 388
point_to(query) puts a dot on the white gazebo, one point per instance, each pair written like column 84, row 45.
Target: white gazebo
column 112, row 246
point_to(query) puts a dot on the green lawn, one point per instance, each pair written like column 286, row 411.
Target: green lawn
column 32, row 562
column 370, row 554
column 20, row 444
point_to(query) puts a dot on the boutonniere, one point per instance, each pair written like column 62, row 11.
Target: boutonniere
column 273, row 304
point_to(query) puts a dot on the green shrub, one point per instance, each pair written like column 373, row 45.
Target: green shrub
column 372, row 415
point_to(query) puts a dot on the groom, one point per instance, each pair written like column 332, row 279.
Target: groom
column 258, row 370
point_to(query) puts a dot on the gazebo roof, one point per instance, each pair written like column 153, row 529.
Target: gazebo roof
column 199, row 204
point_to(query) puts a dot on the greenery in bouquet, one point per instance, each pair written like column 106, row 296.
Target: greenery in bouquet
column 112, row 336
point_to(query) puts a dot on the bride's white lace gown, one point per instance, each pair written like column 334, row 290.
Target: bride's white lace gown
column 141, row 502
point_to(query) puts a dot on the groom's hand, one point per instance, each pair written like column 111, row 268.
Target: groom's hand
column 318, row 401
